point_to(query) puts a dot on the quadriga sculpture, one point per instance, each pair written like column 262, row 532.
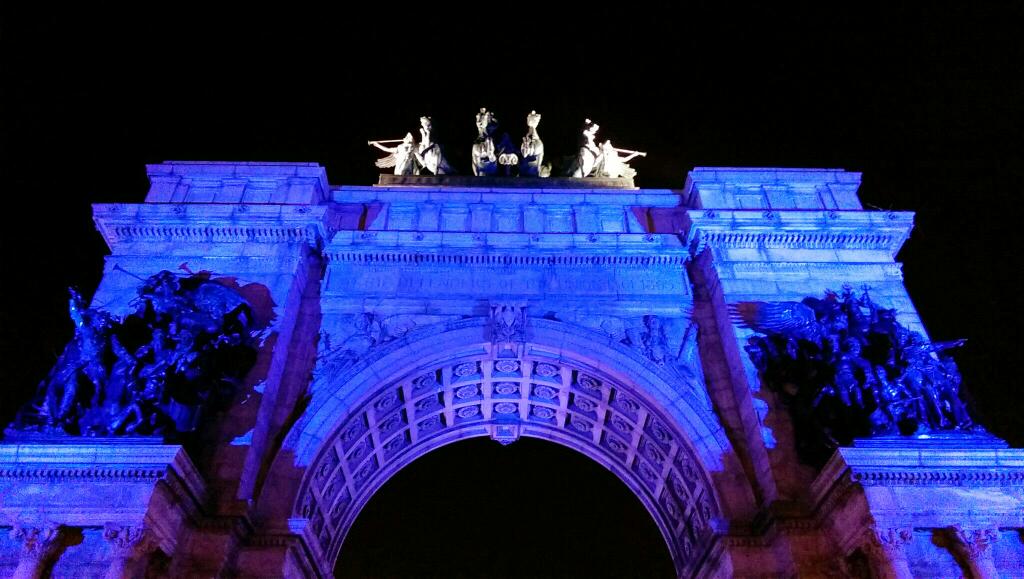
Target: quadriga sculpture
column 847, row 369
column 484, row 154
column 430, row 154
column 588, row 160
column 182, row 350
column 531, row 162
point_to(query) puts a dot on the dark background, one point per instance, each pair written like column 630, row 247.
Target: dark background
column 927, row 103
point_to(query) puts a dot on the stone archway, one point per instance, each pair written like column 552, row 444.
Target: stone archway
column 564, row 384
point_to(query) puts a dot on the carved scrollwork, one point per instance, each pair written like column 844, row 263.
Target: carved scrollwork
column 507, row 323
column 889, row 542
column 129, row 540
column 976, row 542
column 39, row 542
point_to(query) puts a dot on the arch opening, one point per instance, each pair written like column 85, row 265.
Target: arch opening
column 538, row 392
column 479, row 509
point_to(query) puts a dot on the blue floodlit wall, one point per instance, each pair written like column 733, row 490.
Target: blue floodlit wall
column 404, row 317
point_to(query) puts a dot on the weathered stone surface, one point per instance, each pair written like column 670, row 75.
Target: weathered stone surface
column 965, row 494
column 387, row 336
column 144, row 496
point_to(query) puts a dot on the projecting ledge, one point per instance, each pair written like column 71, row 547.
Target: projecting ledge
column 68, row 482
column 923, row 486
column 510, row 182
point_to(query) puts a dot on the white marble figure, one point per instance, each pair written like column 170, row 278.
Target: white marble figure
column 404, row 156
column 485, row 161
column 615, row 166
column 508, row 154
column 532, row 162
column 589, row 158
column 429, row 153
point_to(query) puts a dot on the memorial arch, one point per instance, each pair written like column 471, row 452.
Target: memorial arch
column 652, row 427
column 266, row 349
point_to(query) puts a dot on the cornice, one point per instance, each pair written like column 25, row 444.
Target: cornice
column 939, row 477
column 86, row 474
column 511, row 247
column 851, row 468
column 77, row 461
column 398, row 257
column 209, row 223
column 797, row 229
column 631, row 197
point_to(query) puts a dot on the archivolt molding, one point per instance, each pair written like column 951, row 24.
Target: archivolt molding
column 539, row 389
column 670, row 388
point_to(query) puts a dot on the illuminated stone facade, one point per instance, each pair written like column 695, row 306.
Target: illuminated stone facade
column 412, row 315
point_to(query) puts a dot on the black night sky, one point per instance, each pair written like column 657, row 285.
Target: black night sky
column 927, row 103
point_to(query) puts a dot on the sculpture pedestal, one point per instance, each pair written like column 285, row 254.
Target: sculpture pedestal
column 387, row 180
column 93, row 508
column 925, row 508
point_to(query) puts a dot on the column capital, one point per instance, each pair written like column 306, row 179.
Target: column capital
column 129, row 540
column 39, row 541
column 890, row 541
column 887, row 546
column 975, row 541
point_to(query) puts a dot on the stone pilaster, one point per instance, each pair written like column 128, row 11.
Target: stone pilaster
column 41, row 544
column 130, row 547
column 887, row 548
column 977, row 546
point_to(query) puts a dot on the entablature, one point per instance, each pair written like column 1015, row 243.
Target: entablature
column 486, row 209
column 877, row 231
column 236, row 182
column 538, row 245
column 772, row 188
column 121, row 223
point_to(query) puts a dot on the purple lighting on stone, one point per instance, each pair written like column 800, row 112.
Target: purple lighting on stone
column 427, row 310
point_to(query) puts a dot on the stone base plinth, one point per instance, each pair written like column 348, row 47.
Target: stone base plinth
column 88, row 508
column 925, row 510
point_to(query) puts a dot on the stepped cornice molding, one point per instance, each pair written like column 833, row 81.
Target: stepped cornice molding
column 77, row 460
column 507, row 195
column 494, row 259
column 961, row 467
column 534, row 248
column 797, row 229
column 209, row 223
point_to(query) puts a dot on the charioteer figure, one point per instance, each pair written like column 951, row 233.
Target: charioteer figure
column 430, row 154
column 589, row 157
